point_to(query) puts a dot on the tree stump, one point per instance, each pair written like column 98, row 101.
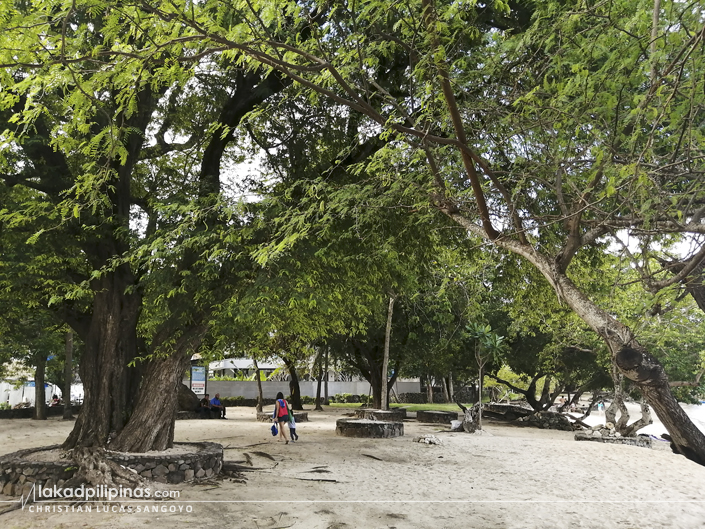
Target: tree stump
column 439, row 417
column 299, row 416
column 368, row 428
column 381, row 415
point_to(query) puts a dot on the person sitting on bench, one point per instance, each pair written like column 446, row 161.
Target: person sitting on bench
column 204, row 408
column 217, row 407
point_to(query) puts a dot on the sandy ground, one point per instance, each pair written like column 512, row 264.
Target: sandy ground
column 509, row 477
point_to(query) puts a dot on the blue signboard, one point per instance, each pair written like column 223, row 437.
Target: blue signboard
column 198, row 380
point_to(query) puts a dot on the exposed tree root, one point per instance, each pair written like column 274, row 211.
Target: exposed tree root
column 95, row 468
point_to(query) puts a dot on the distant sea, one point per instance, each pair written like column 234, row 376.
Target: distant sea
column 696, row 412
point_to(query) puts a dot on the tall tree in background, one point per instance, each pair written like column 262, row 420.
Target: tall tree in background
column 545, row 128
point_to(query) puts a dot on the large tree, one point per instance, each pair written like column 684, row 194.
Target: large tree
column 545, row 127
column 116, row 173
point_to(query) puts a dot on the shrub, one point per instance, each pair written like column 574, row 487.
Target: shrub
column 412, row 398
column 232, row 401
column 347, row 398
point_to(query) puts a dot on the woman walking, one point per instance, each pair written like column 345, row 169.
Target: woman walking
column 281, row 415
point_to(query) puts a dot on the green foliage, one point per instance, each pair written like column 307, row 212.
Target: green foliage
column 232, row 401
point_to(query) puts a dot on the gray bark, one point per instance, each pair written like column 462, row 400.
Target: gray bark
column 325, row 382
column 446, row 393
column 385, row 361
column 628, row 355
column 260, row 398
column 40, row 405
column 68, row 375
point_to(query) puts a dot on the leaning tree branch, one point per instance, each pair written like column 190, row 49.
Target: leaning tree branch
column 692, row 384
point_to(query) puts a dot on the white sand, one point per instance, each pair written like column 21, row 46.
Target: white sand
column 508, row 478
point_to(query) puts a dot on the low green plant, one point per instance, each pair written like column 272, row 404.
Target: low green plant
column 232, row 401
column 5, row 406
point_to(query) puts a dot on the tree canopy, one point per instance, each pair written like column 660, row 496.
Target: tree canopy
column 546, row 130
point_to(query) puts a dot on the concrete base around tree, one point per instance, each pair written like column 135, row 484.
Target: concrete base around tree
column 368, row 428
column 22, row 470
column 299, row 416
column 441, row 417
column 381, row 415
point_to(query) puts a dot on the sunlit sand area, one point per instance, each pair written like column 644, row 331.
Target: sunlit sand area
column 507, row 477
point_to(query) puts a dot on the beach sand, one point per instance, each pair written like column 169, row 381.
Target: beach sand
column 508, row 477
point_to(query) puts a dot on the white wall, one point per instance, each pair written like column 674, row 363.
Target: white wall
column 25, row 393
column 248, row 389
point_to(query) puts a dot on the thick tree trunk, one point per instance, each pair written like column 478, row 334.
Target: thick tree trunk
column 109, row 385
column 294, row 387
column 151, row 426
column 451, row 391
column 376, row 385
column 68, row 375
column 40, row 405
column 429, row 389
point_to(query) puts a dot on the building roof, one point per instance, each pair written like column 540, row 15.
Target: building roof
column 242, row 363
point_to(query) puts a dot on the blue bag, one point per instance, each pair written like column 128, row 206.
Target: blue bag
column 275, row 431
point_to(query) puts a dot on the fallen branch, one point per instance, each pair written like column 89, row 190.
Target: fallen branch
column 264, row 454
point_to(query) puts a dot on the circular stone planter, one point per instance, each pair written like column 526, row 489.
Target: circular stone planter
column 20, row 471
column 368, row 428
column 381, row 415
column 442, row 417
column 299, row 416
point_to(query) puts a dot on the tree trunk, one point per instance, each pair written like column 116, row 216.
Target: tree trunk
column 429, row 390
column 385, row 361
column 294, row 387
column 446, row 393
column 451, row 391
column 68, row 375
column 109, row 385
column 318, row 388
column 376, row 385
column 471, row 421
column 325, row 385
column 151, row 426
column 644, row 420
column 630, row 357
column 479, row 397
column 260, row 397
column 617, row 404
column 40, row 405
column 628, row 354
column 548, row 398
